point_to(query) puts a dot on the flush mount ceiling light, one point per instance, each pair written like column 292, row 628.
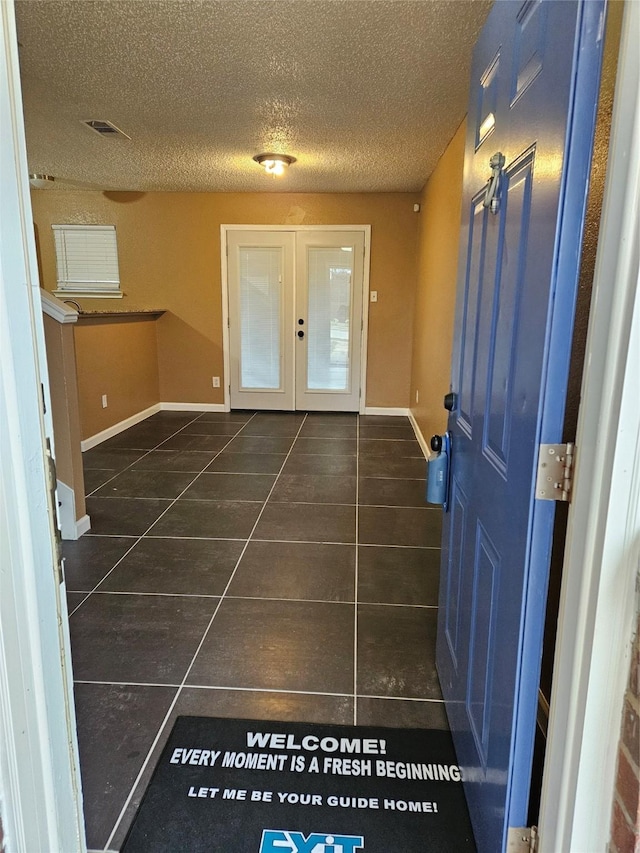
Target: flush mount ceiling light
column 39, row 182
column 274, row 164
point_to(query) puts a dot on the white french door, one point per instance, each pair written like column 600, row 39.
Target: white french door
column 261, row 337
column 295, row 319
column 329, row 273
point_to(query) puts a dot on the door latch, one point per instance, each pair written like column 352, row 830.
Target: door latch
column 450, row 401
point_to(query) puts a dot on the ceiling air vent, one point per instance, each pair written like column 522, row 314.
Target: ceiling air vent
column 105, row 128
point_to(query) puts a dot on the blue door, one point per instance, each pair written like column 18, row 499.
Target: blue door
column 534, row 87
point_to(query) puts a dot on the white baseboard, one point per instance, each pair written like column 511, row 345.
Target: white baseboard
column 381, row 410
column 70, row 527
column 421, row 439
column 83, row 525
column 66, row 510
column 99, row 437
column 192, row 407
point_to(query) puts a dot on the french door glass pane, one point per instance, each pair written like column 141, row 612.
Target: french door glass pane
column 260, row 316
column 329, row 315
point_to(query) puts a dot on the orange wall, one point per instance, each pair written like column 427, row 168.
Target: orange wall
column 436, row 287
column 169, row 252
column 118, row 359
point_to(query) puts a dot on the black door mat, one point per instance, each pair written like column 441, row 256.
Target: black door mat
column 246, row 786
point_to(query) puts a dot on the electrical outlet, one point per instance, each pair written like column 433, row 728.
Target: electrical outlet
column 104, row 401
column 216, row 381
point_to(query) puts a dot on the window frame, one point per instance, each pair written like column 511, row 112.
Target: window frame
column 74, row 276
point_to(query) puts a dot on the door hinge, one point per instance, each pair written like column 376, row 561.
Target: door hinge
column 555, row 472
column 522, row 839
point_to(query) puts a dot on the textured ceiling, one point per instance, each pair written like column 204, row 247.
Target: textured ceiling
column 364, row 93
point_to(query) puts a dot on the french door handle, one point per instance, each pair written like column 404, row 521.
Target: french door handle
column 301, row 334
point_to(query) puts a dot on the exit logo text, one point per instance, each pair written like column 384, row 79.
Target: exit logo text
column 281, row 841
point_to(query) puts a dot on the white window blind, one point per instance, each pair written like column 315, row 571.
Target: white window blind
column 87, row 259
column 260, row 317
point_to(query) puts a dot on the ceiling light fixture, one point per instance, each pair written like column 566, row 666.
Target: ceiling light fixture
column 274, row 164
column 39, row 181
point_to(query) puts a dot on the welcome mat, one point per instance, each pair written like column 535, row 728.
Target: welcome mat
column 247, row 786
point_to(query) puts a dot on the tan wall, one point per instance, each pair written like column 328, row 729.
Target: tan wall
column 436, row 287
column 169, row 251
column 118, row 359
column 61, row 358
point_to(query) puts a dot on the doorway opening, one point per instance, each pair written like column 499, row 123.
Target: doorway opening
column 296, row 317
column 593, row 213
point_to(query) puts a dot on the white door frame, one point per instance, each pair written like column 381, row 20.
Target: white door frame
column 40, row 794
column 595, row 620
column 599, row 600
column 365, row 229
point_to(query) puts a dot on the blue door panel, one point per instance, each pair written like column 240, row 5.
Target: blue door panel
column 482, row 651
column 454, row 579
column 473, row 294
column 533, row 93
column 529, row 46
column 486, row 101
column 505, row 320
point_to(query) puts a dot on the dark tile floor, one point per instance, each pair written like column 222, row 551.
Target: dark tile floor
column 258, row 565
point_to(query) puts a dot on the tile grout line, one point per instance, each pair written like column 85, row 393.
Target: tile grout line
column 142, row 535
column 153, row 449
column 197, row 651
column 251, row 598
column 247, row 473
column 245, row 501
column 272, row 541
column 233, row 689
column 146, row 453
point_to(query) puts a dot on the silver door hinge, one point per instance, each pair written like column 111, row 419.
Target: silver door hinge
column 522, row 839
column 555, row 472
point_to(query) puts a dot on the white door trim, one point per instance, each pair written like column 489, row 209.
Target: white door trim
column 365, row 229
column 599, row 601
column 39, row 775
